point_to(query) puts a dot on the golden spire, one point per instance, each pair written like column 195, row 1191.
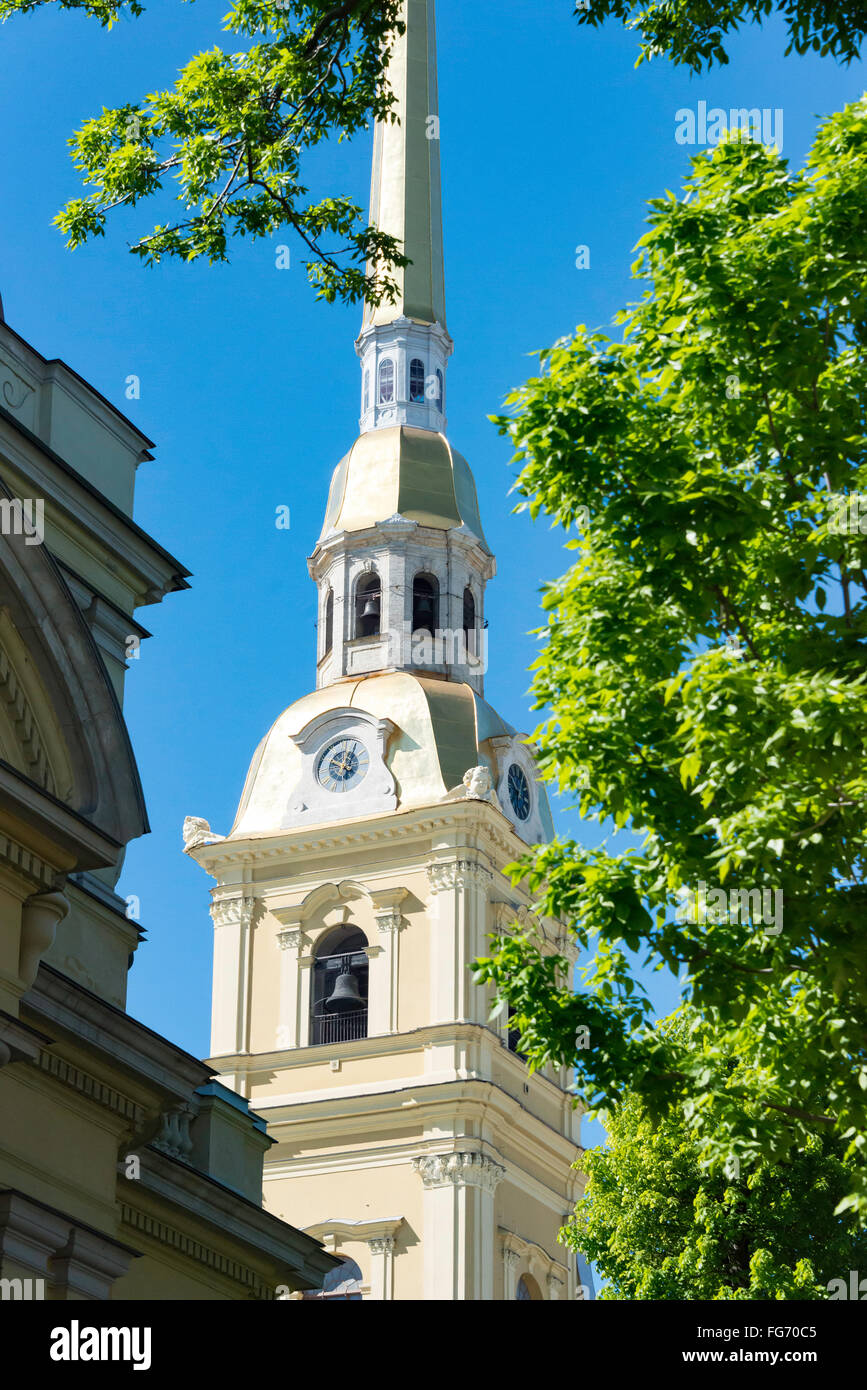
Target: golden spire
column 405, row 194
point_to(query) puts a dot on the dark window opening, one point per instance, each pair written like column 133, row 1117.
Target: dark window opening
column 470, row 622
column 425, row 604
column 515, row 1038
column 338, row 1000
column 367, row 605
column 329, row 621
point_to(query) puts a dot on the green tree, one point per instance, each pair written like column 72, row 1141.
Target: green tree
column 660, row 1226
column 690, row 32
column 231, row 134
column 704, row 665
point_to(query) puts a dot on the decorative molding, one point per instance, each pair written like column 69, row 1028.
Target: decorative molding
column 505, row 915
column 176, row 1239
column 197, row 831
column 228, row 912
column 524, row 1257
column 331, row 1233
column 445, row 876
column 18, row 1042
column 40, row 915
column 24, row 861
column 92, row 1088
column 381, row 1245
column 15, row 389
column 23, row 718
column 290, row 939
column 461, row 1169
column 296, row 841
column 389, row 920
column 173, row 1137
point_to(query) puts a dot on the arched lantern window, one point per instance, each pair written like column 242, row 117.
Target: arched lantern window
column 338, row 996
column 386, row 381
column 440, row 389
column 469, row 623
column 368, row 605
column 416, row 380
column 329, row 622
column 425, row 604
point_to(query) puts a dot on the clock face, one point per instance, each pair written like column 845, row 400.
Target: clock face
column 342, row 765
column 519, row 792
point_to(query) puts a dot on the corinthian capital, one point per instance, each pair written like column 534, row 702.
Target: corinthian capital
column 441, row 877
column 459, row 1170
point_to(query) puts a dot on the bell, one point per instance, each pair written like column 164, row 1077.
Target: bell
column 344, row 996
column 370, row 609
column 424, row 605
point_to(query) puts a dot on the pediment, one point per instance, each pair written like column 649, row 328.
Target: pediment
column 61, row 726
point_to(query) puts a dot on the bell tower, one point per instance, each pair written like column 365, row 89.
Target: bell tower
column 364, row 871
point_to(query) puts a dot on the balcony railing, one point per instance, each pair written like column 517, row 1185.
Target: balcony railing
column 335, row 1028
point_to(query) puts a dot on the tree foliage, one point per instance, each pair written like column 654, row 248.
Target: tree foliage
column 660, row 1226
column 230, row 136
column 691, row 32
column 704, row 667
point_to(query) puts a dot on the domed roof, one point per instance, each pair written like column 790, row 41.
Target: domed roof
column 441, row 728
column 402, row 471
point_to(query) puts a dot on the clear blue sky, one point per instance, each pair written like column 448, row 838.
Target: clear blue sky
column 550, row 139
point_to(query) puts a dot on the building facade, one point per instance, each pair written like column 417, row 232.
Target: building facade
column 364, row 871
column 126, row 1170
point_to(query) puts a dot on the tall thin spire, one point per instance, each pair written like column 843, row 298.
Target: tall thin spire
column 405, row 193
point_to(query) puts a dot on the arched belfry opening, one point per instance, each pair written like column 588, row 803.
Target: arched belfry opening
column 425, row 604
column 329, row 622
column 368, row 605
column 338, row 998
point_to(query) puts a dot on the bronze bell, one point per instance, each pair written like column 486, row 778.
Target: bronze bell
column 344, row 996
column 370, row 609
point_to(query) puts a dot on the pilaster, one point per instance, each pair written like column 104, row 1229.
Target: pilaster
column 458, row 910
column 459, row 1230
column 232, row 917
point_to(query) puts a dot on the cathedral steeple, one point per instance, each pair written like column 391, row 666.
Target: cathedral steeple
column 404, row 344
column 402, row 562
column 364, row 870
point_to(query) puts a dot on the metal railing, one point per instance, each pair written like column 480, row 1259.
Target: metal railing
column 334, row 1028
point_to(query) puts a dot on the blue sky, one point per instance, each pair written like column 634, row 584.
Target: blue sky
column 550, row 139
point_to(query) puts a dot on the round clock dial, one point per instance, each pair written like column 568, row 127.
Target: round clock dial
column 519, row 792
column 342, row 765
